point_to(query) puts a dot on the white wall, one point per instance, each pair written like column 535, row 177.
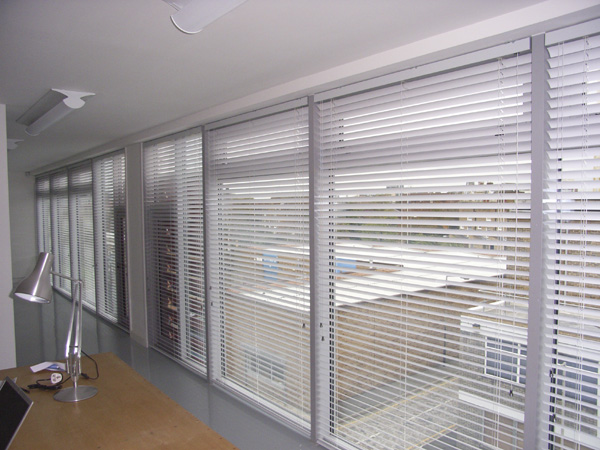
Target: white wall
column 7, row 321
column 22, row 223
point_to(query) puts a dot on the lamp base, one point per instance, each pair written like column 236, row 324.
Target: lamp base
column 75, row 395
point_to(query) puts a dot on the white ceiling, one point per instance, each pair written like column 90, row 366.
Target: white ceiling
column 145, row 72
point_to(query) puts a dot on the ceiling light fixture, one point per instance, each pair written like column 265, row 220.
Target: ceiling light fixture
column 193, row 15
column 12, row 144
column 52, row 107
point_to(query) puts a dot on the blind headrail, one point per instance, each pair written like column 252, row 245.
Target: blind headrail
column 510, row 48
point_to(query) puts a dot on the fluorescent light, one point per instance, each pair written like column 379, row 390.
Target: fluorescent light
column 193, row 15
column 52, row 107
column 12, row 144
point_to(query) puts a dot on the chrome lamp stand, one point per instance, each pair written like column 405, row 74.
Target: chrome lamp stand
column 73, row 350
column 36, row 288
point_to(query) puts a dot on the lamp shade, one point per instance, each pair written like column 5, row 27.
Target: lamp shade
column 36, row 287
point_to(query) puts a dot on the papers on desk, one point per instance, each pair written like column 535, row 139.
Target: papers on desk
column 49, row 365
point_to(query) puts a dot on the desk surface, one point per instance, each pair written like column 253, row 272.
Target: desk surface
column 127, row 413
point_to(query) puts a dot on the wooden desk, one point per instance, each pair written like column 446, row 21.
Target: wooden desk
column 127, row 413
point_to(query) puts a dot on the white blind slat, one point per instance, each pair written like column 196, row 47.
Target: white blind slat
column 82, row 231
column 173, row 204
column 43, row 214
column 258, row 206
column 111, row 238
column 61, row 248
column 423, row 198
column 569, row 406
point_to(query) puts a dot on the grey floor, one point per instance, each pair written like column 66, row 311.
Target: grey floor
column 40, row 336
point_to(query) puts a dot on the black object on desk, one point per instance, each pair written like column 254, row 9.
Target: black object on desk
column 14, row 406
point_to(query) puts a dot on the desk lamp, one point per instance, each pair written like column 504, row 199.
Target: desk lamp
column 36, row 288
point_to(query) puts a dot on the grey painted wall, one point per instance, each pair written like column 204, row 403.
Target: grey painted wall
column 7, row 324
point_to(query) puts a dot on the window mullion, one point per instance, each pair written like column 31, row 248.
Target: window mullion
column 536, row 268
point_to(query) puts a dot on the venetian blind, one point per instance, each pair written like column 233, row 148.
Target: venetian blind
column 61, row 249
column 571, row 400
column 174, row 247
column 111, row 238
column 44, row 230
column 422, row 206
column 81, row 214
column 259, row 291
